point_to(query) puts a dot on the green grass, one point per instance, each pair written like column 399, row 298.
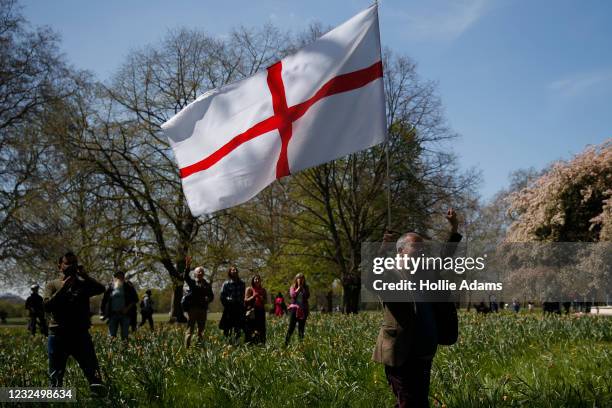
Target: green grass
column 157, row 317
column 503, row 360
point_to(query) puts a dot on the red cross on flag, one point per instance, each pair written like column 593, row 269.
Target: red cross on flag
column 321, row 103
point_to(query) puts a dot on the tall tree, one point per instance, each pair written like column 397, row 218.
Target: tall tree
column 32, row 75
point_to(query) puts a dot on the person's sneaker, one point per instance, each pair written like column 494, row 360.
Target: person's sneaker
column 98, row 390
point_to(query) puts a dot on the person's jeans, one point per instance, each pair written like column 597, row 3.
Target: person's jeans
column 116, row 321
column 410, row 382
column 77, row 345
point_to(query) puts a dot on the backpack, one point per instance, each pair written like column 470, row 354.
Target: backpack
column 146, row 306
column 447, row 322
column 187, row 300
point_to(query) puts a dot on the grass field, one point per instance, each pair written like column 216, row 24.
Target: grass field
column 502, row 360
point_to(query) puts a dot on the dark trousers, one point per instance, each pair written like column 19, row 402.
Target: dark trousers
column 301, row 323
column 146, row 317
column 77, row 345
column 196, row 316
column 410, row 382
column 255, row 329
column 40, row 320
column 232, row 321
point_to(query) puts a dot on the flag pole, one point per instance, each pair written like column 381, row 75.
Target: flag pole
column 388, row 182
column 387, row 176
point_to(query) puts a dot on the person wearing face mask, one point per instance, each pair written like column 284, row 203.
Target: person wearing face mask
column 66, row 299
column 232, row 298
column 119, row 299
column 196, row 301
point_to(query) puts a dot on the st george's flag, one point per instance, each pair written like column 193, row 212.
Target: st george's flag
column 321, row 103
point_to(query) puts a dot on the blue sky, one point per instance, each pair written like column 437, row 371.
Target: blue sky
column 524, row 83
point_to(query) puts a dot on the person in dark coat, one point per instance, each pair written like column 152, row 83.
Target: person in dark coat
column 232, row 298
column 408, row 339
column 36, row 311
column 118, row 303
column 299, row 308
column 147, row 308
column 67, row 301
column 196, row 306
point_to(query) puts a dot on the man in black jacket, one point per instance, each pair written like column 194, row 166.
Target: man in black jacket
column 118, row 303
column 410, row 334
column 196, row 301
column 36, row 310
column 67, row 300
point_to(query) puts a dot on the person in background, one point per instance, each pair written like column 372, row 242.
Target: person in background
column 200, row 296
column 255, row 299
column 232, row 298
column 119, row 299
column 280, row 308
column 67, row 301
column 493, row 303
column 147, row 308
column 482, row 308
column 34, row 305
column 516, row 306
column 133, row 312
column 298, row 309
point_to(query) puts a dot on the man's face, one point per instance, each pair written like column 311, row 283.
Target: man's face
column 199, row 274
column 67, row 262
column 412, row 245
column 234, row 273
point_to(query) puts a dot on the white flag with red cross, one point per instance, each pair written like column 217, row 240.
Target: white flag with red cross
column 321, row 103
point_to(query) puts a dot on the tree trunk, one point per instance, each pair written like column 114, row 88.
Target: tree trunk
column 176, row 311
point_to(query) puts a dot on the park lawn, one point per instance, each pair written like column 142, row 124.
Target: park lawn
column 157, row 317
column 501, row 360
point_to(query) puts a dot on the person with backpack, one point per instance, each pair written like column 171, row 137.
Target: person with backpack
column 147, row 309
column 195, row 301
column 118, row 302
column 232, row 298
column 411, row 331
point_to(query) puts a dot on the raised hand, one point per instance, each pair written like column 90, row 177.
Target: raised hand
column 451, row 216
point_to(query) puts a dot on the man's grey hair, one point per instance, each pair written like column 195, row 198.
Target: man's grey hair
column 412, row 236
column 198, row 269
